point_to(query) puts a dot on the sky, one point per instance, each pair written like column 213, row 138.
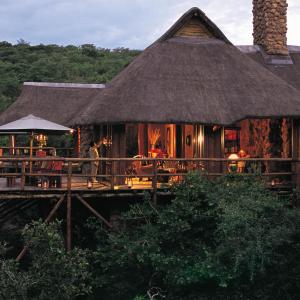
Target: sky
column 133, row 24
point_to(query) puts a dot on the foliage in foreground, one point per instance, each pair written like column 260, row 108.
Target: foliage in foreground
column 51, row 274
column 227, row 239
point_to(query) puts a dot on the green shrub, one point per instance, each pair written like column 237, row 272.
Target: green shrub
column 51, row 274
column 230, row 239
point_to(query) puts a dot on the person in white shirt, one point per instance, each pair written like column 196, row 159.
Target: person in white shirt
column 94, row 154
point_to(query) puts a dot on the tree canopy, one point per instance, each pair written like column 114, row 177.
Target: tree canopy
column 225, row 239
column 53, row 63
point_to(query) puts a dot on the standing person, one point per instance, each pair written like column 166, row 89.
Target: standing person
column 242, row 165
column 55, row 166
column 94, row 154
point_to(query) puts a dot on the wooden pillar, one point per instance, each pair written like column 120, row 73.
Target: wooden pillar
column 119, row 151
column 86, row 137
column 69, row 207
column 78, row 142
column 154, row 183
column 143, row 139
column 295, row 152
column 213, row 147
column 12, row 144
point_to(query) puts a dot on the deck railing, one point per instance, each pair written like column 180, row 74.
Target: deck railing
column 23, row 151
column 131, row 173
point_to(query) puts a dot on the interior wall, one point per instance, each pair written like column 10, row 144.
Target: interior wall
column 266, row 137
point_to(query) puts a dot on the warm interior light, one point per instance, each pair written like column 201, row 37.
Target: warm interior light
column 41, row 139
column 71, row 131
column 233, row 156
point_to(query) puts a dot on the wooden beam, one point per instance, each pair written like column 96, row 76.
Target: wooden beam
column 93, row 211
column 23, row 171
column 154, row 182
column 69, row 207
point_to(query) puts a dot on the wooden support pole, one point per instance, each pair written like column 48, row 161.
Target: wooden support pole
column 112, row 178
column 23, row 171
column 93, row 211
column 154, row 182
column 78, row 150
column 55, row 208
column 69, row 207
column 47, row 220
column 30, row 152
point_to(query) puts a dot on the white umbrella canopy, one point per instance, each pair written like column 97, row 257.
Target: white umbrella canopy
column 33, row 124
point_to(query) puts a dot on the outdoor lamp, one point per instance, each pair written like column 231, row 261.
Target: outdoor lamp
column 233, row 163
column 41, row 139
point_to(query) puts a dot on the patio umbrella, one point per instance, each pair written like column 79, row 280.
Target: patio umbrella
column 33, row 125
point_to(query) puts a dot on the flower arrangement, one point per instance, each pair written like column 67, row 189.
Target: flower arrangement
column 154, row 136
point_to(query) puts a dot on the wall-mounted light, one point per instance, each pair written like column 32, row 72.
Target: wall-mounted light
column 188, row 140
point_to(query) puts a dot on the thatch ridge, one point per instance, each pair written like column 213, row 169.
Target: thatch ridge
column 194, row 11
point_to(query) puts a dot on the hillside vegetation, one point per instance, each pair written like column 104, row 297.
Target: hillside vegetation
column 53, row 63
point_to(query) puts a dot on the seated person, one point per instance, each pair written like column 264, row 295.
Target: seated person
column 54, row 166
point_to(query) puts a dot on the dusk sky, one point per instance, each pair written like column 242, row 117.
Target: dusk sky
column 124, row 23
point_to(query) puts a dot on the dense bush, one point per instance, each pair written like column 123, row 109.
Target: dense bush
column 51, row 273
column 224, row 239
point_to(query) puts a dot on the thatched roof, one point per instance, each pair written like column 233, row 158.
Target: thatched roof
column 56, row 102
column 187, row 79
column 289, row 72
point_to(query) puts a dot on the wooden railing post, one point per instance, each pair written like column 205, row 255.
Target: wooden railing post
column 23, row 171
column 154, row 182
column 69, row 207
column 112, row 173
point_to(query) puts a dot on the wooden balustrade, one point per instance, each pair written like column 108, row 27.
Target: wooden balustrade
column 23, row 151
column 18, row 167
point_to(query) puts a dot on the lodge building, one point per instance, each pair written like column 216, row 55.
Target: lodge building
column 191, row 93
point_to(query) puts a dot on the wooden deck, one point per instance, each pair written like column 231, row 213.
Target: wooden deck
column 14, row 180
column 22, row 180
column 79, row 184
